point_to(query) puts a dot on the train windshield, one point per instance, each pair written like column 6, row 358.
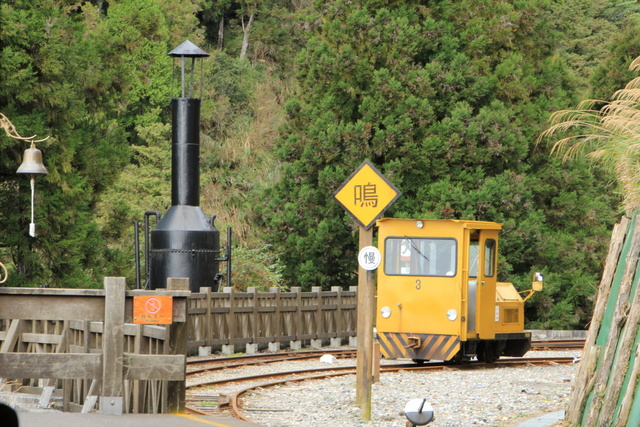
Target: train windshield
column 419, row 256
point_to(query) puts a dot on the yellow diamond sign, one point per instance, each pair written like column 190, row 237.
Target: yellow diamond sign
column 366, row 194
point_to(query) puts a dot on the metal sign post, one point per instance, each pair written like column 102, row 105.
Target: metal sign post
column 366, row 194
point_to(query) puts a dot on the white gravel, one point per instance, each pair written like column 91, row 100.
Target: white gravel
column 500, row 396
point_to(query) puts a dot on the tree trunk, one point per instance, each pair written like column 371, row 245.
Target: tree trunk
column 221, row 33
column 246, row 28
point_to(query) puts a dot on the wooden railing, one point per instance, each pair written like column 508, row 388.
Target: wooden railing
column 81, row 344
column 252, row 319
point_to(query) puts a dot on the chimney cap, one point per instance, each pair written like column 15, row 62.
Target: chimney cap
column 188, row 49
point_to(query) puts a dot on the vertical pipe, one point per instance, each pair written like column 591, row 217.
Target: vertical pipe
column 185, row 148
column 147, row 246
column 182, row 76
column 136, row 249
column 193, row 67
column 228, row 257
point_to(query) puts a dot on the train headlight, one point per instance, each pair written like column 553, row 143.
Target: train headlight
column 385, row 312
column 452, row 315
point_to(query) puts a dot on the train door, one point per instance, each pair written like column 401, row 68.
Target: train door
column 481, row 283
column 487, row 245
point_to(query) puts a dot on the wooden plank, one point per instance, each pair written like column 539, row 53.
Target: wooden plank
column 178, row 331
column 154, row 332
column 167, row 367
column 58, row 307
column 614, row 331
column 231, row 317
column 278, row 316
column 52, row 292
column 208, row 320
column 149, row 331
column 50, row 365
column 366, row 304
column 41, row 338
column 630, row 391
column 13, row 334
column 339, row 309
column 298, row 315
column 113, row 337
column 587, row 367
column 620, row 368
column 254, row 306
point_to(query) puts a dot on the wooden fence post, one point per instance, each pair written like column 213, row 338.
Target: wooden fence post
column 339, row 323
column 112, row 350
column 231, row 318
column 318, row 314
column 178, row 331
column 277, row 329
column 257, row 321
column 208, row 319
column 298, row 314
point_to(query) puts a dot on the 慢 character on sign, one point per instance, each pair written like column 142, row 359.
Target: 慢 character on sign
column 370, row 257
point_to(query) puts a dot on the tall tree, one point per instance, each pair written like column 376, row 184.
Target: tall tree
column 95, row 78
column 53, row 57
column 447, row 100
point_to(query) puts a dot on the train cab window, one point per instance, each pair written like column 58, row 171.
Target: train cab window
column 489, row 257
column 418, row 256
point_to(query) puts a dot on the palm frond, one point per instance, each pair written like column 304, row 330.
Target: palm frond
column 606, row 132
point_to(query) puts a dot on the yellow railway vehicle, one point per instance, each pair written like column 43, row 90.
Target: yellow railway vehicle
column 438, row 296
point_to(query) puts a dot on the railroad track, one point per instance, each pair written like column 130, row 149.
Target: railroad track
column 212, row 364
column 228, row 401
column 557, row 345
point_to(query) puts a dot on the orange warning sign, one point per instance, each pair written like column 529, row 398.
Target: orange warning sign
column 152, row 310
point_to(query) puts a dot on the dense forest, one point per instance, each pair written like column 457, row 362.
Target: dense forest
column 447, row 99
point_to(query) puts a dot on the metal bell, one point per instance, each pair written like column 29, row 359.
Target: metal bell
column 32, row 162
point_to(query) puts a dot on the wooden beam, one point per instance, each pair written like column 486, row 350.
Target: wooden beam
column 59, row 307
column 13, row 334
column 112, row 345
column 590, row 355
column 51, row 365
column 366, row 302
column 178, row 331
column 154, row 367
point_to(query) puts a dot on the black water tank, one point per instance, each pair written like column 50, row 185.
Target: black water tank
column 185, row 243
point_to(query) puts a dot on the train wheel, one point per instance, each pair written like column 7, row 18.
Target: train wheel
column 459, row 359
column 419, row 362
column 487, row 351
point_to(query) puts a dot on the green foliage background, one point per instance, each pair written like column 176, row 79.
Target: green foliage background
column 445, row 98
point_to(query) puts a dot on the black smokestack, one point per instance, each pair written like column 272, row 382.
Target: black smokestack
column 185, row 152
column 185, row 243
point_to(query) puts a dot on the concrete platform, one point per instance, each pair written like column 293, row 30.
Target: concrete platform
column 67, row 419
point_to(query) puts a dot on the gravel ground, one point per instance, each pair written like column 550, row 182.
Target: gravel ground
column 500, row 397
